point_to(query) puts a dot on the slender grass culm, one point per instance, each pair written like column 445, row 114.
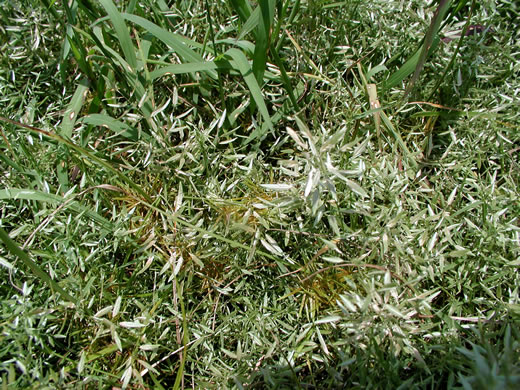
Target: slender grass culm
column 272, row 194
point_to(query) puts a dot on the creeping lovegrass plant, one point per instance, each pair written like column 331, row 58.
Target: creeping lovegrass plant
column 271, row 194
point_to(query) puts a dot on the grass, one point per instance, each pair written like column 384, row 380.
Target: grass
column 271, row 194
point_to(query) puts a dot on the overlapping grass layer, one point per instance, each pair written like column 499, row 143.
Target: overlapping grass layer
column 282, row 194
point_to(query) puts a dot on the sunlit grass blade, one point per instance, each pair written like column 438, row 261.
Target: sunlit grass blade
column 190, row 67
column 242, row 65
column 175, row 41
column 118, row 127
column 13, row 247
column 73, row 109
column 39, row 196
column 429, row 39
column 86, row 155
column 122, row 32
column 67, row 125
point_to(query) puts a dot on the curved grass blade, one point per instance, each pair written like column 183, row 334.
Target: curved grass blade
column 118, row 127
column 175, row 41
column 87, row 156
column 39, row 196
column 121, row 31
column 13, row 247
column 241, row 64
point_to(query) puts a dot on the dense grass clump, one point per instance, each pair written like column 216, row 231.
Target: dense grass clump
column 271, row 194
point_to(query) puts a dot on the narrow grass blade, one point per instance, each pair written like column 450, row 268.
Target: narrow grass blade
column 262, row 39
column 388, row 124
column 251, row 23
column 177, row 219
column 122, row 32
column 432, row 32
column 175, row 41
column 241, row 64
column 118, row 127
column 407, row 68
column 13, row 247
column 39, row 196
column 455, row 52
column 88, row 157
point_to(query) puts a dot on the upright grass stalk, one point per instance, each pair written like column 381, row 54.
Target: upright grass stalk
column 432, row 32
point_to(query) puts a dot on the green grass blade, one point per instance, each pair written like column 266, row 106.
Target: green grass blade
column 406, row 152
column 251, row 23
column 456, row 51
column 84, row 153
column 190, row 68
column 74, row 107
column 67, row 125
column 241, row 64
column 13, row 247
column 409, row 66
column 39, row 196
column 122, row 32
column 242, row 8
column 119, row 128
column 175, row 41
column 427, row 47
column 263, row 39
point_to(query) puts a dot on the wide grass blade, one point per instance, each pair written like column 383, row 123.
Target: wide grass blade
column 122, row 32
column 67, row 125
column 263, row 38
column 118, row 127
column 251, row 23
column 242, row 8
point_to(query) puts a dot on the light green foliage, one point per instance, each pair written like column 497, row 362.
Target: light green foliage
column 274, row 194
